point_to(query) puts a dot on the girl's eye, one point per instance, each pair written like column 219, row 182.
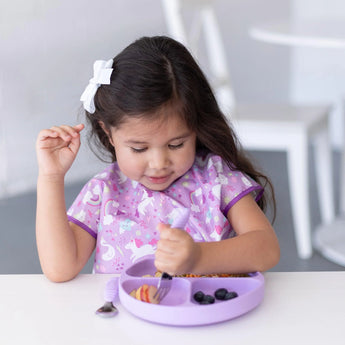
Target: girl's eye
column 137, row 150
column 175, row 147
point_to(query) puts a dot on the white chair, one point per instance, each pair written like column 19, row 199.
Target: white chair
column 265, row 126
column 342, row 180
column 3, row 158
column 329, row 239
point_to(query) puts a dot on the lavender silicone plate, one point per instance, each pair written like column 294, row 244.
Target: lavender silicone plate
column 178, row 308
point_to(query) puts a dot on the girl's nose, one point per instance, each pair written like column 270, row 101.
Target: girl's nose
column 159, row 160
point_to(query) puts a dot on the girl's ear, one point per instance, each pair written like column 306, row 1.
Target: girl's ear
column 106, row 131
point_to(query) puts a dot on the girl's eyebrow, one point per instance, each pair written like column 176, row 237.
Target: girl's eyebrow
column 136, row 142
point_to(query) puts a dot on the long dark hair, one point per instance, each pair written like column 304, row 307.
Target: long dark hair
column 154, row 72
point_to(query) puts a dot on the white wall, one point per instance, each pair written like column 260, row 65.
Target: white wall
column 46, row 56
column 260, row 71
column 318, row 74
column 47, row 52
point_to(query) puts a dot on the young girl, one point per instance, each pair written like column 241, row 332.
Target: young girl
column 152, row 109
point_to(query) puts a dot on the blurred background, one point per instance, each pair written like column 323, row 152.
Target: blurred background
column 46, row 56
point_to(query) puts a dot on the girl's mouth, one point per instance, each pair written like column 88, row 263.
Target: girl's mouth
column 158, row 179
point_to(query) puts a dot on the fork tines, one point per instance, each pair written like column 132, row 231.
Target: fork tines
column 164, row 285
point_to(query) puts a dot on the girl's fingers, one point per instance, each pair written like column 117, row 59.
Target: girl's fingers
column 74, row 145
column 47, row 133
column 171, row 234
column 79, row 127
column 64, row 132
column 73, row 131
column 161, row 227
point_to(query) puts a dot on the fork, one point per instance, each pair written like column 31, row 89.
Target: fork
column 163, row 287
column 165, row 281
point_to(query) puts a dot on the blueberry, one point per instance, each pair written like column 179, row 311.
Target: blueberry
column 208, row 299
column 220, row 293
column 230, row 295
column 199, row 296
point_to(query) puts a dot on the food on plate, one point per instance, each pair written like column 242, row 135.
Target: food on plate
column 208, row 299
column 199, row 296
column 214, row 275
column 132, row 293
column 220, row 294
column 191, row 275
column 230, row 295
column 224, row 295
column 145, row 293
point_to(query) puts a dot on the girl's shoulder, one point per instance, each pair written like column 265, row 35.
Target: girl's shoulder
column 109, row 173
column 212, row 168
column 106, row 180
column 205, row 162
column 227, row 184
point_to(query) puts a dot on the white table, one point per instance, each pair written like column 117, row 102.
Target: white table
column 298, row 308
column 329, row 239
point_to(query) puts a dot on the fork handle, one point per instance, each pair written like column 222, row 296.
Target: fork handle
column 182, row 219
column 180, row 222
column 111, row 289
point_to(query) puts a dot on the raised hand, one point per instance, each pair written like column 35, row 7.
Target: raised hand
column 57, row 148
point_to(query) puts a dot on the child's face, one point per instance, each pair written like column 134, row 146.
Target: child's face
column 154, row 153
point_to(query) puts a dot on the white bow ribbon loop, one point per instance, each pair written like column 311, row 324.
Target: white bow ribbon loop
column 101, row 75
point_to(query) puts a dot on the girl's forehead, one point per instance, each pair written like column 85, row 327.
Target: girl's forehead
column 139, row 125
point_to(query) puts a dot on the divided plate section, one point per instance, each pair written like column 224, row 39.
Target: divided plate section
column 179, row 293
column 242, row 286
column 178, row 308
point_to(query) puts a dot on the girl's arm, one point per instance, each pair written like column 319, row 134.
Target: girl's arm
column 63, row 248
column 255, row 248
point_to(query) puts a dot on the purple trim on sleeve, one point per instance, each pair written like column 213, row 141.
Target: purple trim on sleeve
column 83, row 226
column 241, row 195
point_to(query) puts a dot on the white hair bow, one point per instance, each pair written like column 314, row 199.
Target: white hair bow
column 101, row 75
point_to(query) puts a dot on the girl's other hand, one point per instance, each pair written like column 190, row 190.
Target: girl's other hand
column 177, row 253
column 57, row 148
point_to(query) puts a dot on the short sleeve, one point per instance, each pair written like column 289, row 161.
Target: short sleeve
column 85, row 210
column 230, row 185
